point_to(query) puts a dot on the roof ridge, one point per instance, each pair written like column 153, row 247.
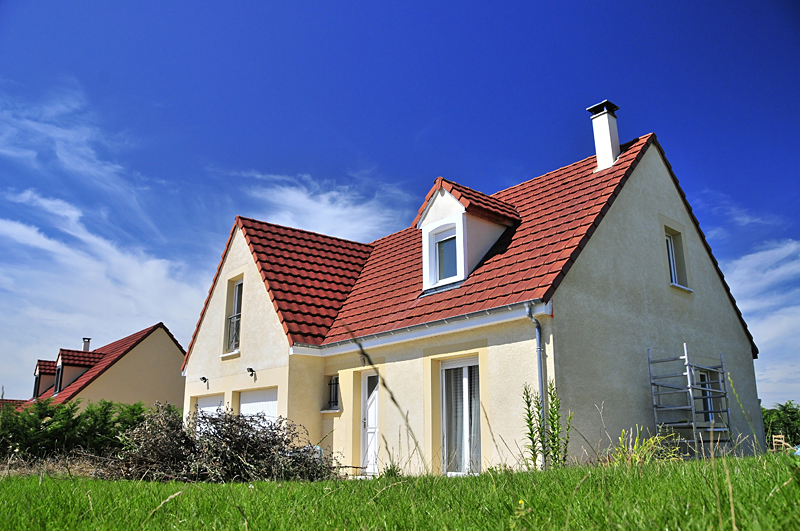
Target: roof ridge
column 623, row 148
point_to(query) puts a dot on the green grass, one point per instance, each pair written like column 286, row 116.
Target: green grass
column 766, row 495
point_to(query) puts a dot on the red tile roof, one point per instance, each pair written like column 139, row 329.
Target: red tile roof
column 307, row 275
column 107, row 356
column 46, row 367
column 327, row 290
column 80, row 358
column 559, row 210
column 11, row 402
column 474, row 202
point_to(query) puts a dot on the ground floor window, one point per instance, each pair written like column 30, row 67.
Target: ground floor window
column 461, row 425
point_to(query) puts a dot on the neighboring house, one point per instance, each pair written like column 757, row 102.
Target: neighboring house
column 143, row 367
column 595, row 263
column 11, row 402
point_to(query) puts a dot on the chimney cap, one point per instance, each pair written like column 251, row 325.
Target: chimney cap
column 604, row 105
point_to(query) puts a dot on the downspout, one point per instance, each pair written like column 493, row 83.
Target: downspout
column 535, row 321
column 529, row 311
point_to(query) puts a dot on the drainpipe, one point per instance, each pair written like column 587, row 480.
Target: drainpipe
column 535, row 321
column 529, row 311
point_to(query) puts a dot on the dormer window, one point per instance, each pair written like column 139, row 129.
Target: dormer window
column 446, row 255
column 459, row 226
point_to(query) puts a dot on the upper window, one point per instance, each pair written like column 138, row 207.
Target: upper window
column 57, row 383
column 234, row 317
column 675, row 258
column 446, row 257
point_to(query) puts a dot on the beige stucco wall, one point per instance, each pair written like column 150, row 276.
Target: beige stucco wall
column 263, row 345
column 150, row 372
column 616, row 302
column 507, row 360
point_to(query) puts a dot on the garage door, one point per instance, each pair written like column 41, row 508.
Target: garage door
column 209, row 404
column 259, row 401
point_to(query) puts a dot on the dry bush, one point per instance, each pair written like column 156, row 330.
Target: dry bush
column 221, row 447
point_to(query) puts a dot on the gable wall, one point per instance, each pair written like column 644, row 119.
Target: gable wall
column 263, row 345
column 441, row 205
column 616, row 302
column 150, row 372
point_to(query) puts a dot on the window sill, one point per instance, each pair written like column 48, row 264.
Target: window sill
column 682, row 288
column 442, row 287
column 230, row 355
column 324, row 411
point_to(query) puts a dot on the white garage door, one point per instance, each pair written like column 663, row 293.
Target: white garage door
column 259, row 401
column 209, row 404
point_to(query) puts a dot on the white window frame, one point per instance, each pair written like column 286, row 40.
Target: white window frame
column 462, row 363
column 432, row 234
column 438, row 238
column 673, row 269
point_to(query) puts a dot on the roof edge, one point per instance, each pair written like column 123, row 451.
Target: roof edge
column 541, row 308
column 651, row 138
column 707, row 246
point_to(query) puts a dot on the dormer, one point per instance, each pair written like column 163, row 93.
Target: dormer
column 45, row 377
column 71, row 364
column 459, row 226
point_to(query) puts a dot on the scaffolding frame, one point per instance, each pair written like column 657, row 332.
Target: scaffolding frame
column 682, row 381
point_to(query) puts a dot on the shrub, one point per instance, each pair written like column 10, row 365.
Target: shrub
column 639, row 450
column 45, row 429
column 783, row 419
column 221, row 447
column 544, row 433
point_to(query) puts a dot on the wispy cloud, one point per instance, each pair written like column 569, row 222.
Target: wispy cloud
column 343, row 211
column 60, row 281
column 766, row 284
column 60, row 138
column 728, row 217
column 363, row 211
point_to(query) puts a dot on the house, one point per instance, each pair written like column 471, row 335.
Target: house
column 142, row 367
column 579, row 276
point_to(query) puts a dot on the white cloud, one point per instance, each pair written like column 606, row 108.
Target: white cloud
column 342, row 211
column 766, row 284
column 60, row 137
column 57, row 289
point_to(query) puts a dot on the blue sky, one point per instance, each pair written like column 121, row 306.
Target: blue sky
column 132, row 133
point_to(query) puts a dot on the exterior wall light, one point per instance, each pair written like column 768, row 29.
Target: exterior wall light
column 251, row 371
column 204, row 379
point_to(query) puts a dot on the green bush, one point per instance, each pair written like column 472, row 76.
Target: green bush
column 783, row 419
column 45, row 429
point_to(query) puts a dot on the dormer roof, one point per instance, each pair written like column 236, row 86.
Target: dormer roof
column 79, row 358
column 45, row 367
column 475, row 203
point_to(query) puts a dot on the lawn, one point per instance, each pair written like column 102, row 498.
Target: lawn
column 682, row 495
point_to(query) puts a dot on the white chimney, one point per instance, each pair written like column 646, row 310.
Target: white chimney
column 86, row 342
column 606, row 138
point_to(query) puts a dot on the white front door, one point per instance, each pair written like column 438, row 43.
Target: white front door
column 369, row 423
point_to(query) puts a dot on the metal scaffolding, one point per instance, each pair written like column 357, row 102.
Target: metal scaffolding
column 689, row 398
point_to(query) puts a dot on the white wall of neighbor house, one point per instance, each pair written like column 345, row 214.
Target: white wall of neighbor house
column 263, row 345
column 617, row 301
column 150, row 372
column 507, row 360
